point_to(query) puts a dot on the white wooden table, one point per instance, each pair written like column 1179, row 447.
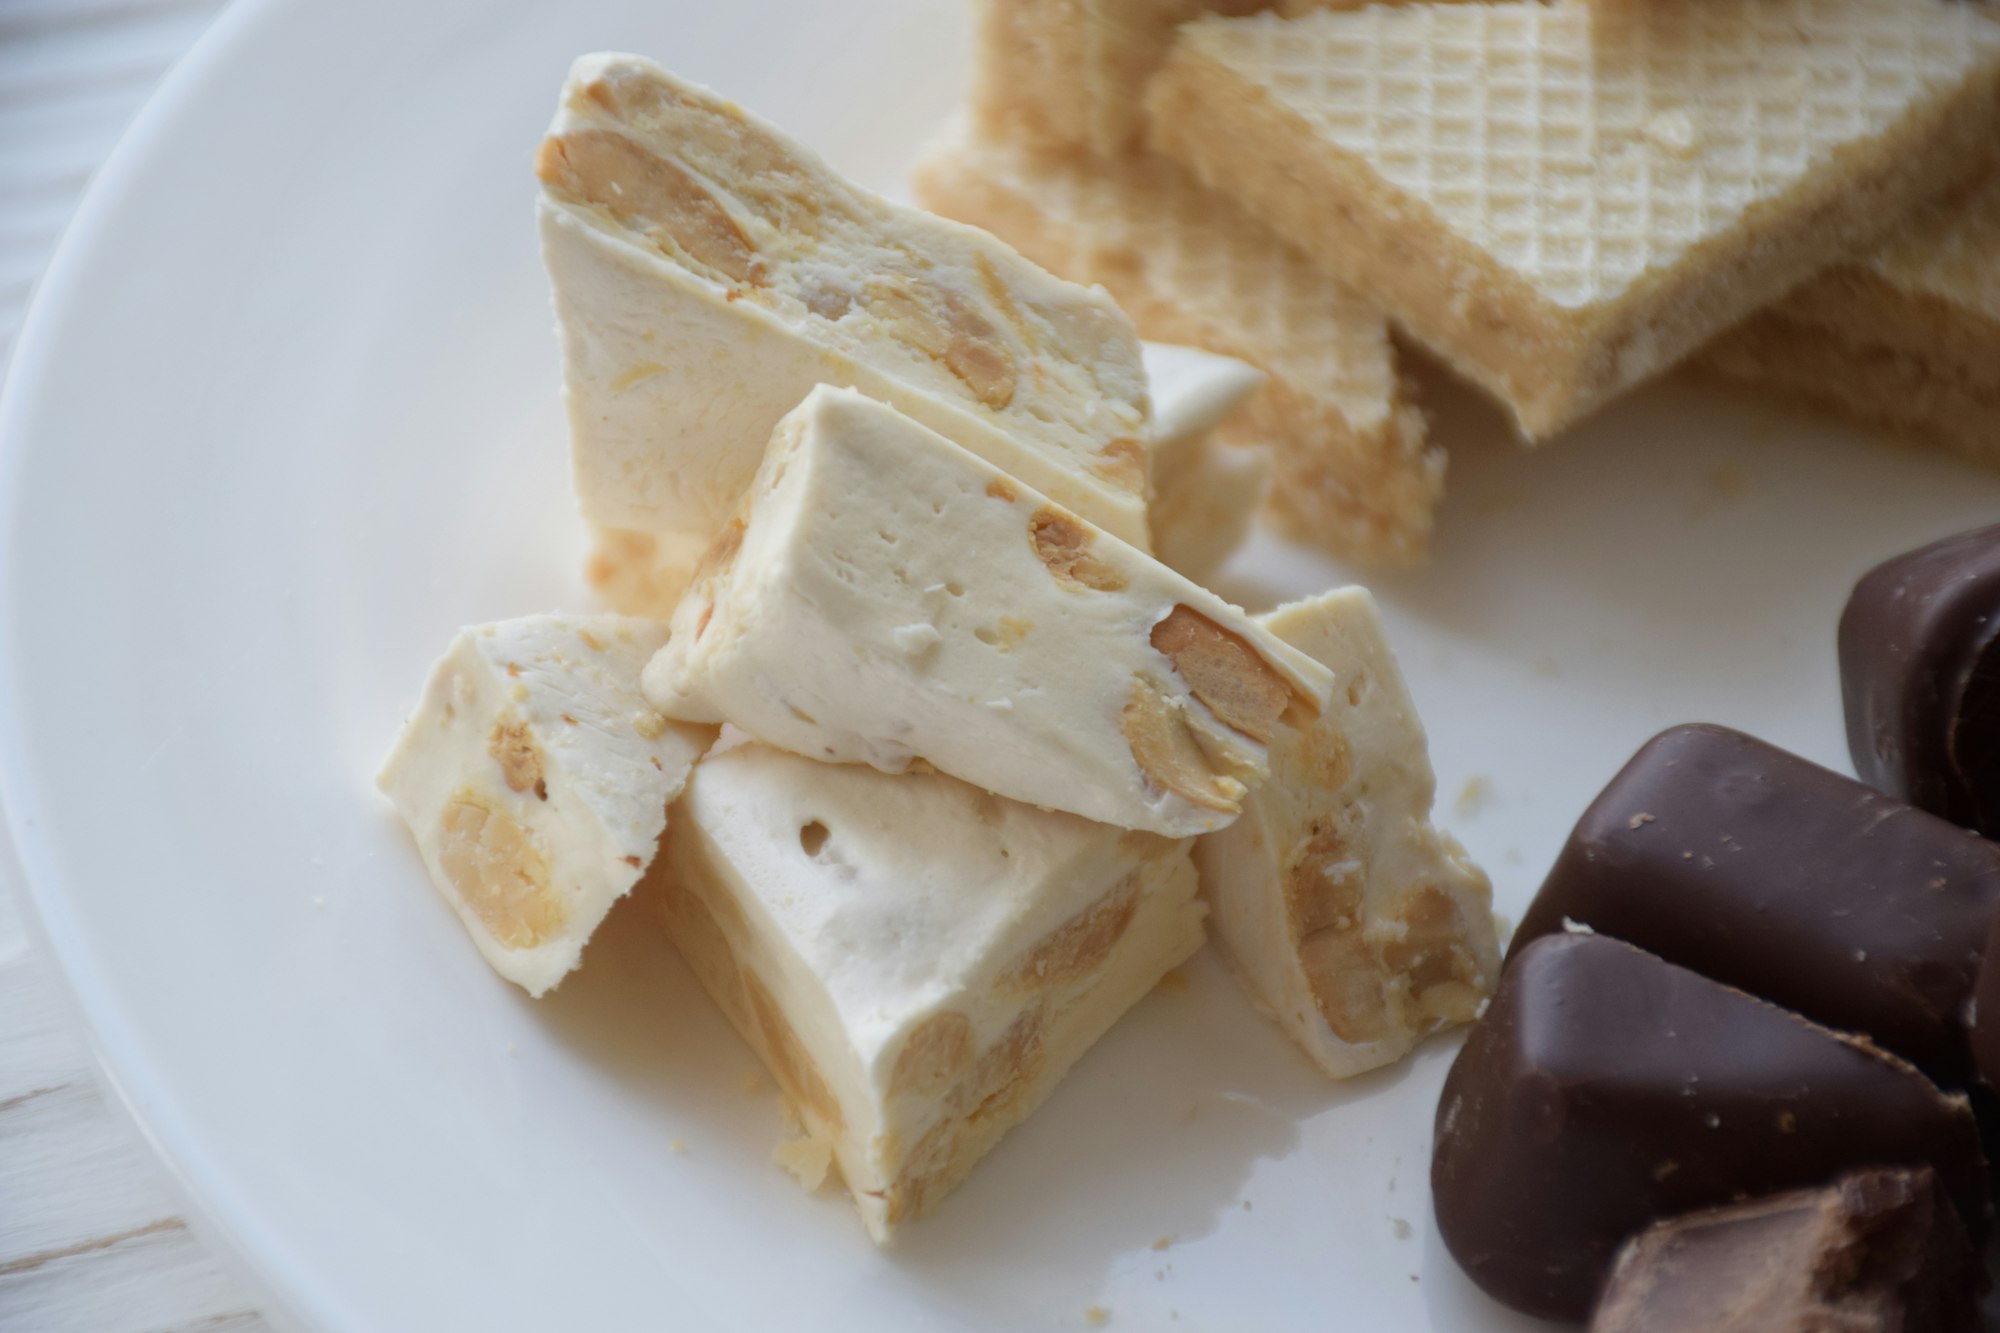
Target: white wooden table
column 89, row 1239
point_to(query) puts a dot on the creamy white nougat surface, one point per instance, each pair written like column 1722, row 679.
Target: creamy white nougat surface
column 535, row 779
column 640, row 573
column 708, row 271
column 918, row 961
column 887, row 596
column 1349, row 917
column 1205, row 493
column 1193, row 393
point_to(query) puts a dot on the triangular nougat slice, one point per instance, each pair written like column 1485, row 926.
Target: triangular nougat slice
column 535, row 779
column 1350, row 918
column 887, row 596
column 1205, row 493
column 708, row 271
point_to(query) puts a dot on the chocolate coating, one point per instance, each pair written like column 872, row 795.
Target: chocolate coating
column 1606, row 1089
column 1986, row 1023
column 1878, row 1250
column 1920, row 675
column 1763, row 871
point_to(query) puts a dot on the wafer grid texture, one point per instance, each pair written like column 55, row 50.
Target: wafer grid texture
column 1581, row 168
column 1150, row 228
column 1584, row 163
column 1072, row 73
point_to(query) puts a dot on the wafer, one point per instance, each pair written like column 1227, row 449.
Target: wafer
column 1907, row 338
column 1072, row 73
column 1562, row 212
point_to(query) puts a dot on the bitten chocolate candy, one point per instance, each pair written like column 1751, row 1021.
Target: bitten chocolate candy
column 1606, row 1089
column 1920, row 673
column 1763, row 871
column 1877, row 1252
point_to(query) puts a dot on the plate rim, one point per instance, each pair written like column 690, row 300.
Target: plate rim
column 286, row 1296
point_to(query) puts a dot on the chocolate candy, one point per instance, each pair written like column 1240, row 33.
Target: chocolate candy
column 1920, row 673
column 1879, row 1250
column 1763, row 871
column 1985, row 1022
column 1606, row 1089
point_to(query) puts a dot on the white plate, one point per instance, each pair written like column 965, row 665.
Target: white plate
column 285, row 414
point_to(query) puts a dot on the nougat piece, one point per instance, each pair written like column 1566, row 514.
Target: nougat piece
column 1908, row 395
column 1349, row 917
column 708, row 270
column 640, row 573
column 1605, row 1089
column 1562, row 208
column 1205, row 492
column 916, row 960
column 536, row 778
column 887, row 596
column 1905, row 336
column 1204, row 497
column 1873, row 1252
column 1354, row 470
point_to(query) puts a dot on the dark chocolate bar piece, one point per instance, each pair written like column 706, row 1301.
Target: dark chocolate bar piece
column 1920, row 674
column 1763, row 871
column 1606, row 1089
column 1876, row 1252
